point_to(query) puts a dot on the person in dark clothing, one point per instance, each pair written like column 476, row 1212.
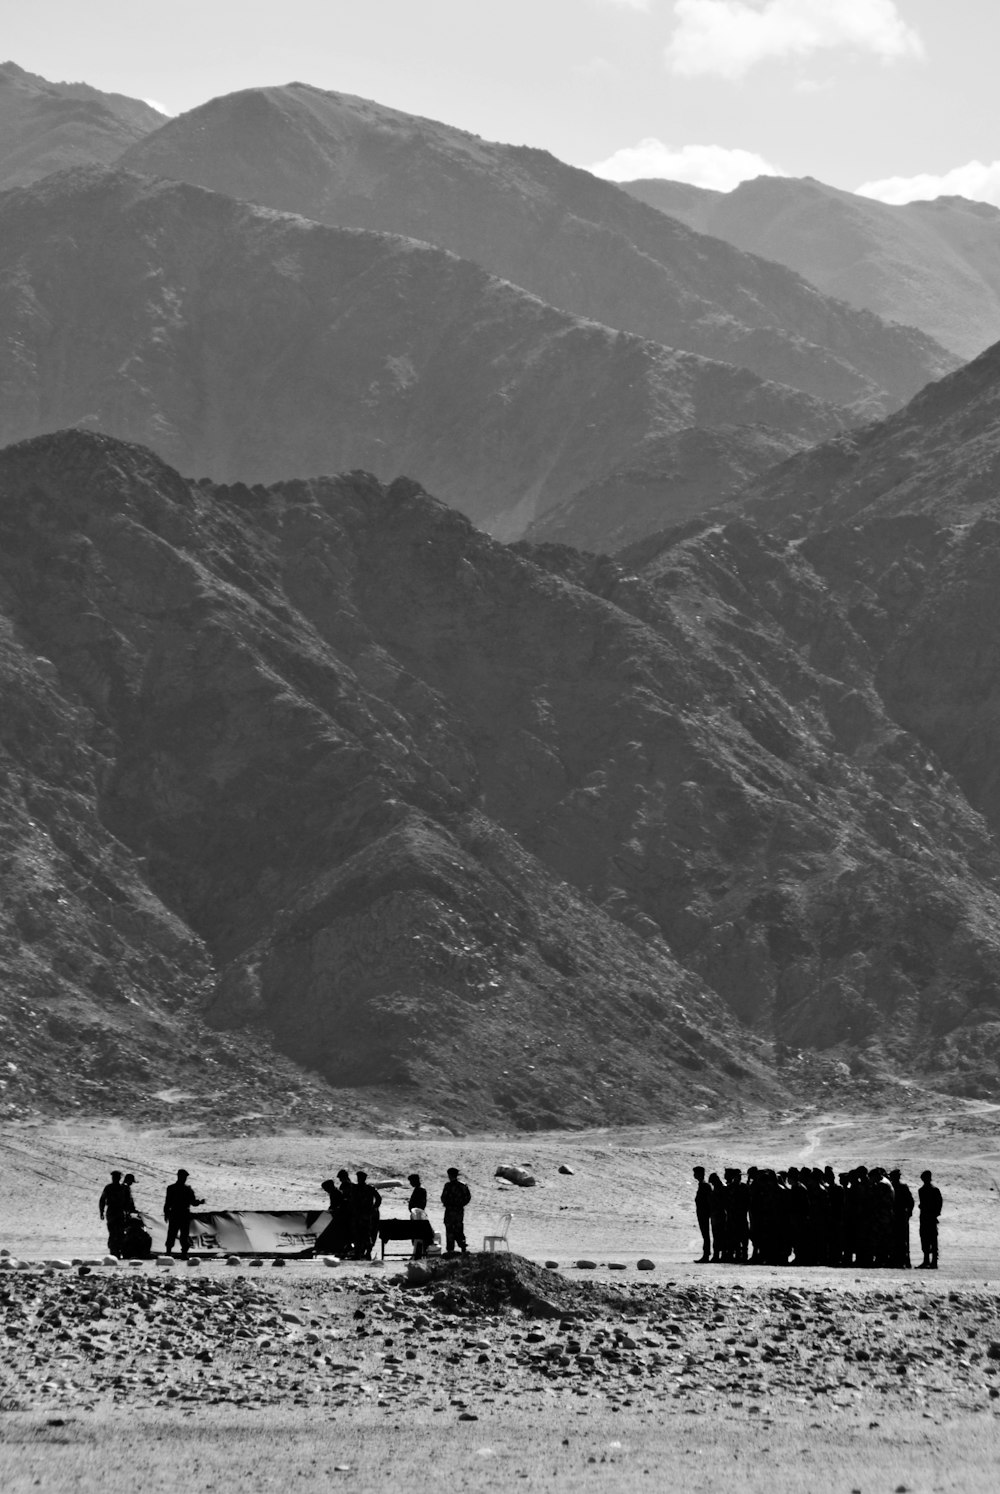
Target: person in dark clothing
column 737, row 1224
column 455, row 1196
column 114, row 1206
column 335, row 1239
column 902, row 1210
column 366, row 1202
column 798, row 1217
column 931, row 1204
column 418, row 1208
column 177, row 1206
column 718, row 1216
column 345, row 1189
column 703, row 1212
column 418, row 1198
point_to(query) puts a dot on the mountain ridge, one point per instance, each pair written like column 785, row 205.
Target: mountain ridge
column 932, row 264
column 246, row 344
column 47, row 127
column 577, row 241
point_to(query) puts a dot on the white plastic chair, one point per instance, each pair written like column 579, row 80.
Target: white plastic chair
column 499, row 1241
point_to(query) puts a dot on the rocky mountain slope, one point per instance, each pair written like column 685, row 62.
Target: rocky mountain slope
column 245, row 344
column 939, row 456
column 579, row 242
column 670, row 479
column 47, row 127
column 504, row 833
column 933, row 265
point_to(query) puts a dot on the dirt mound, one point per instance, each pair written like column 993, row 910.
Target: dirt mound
column 488, row 1282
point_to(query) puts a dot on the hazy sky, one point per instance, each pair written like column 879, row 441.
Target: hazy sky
column 855, row 92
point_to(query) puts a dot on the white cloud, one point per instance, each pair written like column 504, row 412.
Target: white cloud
column 975, row 180
column 155, row 104
column 726, row 38
column 700, row 165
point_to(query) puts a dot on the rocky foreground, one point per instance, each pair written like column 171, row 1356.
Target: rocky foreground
column 486, row 1335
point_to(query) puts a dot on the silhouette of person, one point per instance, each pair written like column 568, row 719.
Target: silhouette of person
column 114, row 1205
column 177, row 1205
column 455, row 1196
column 703, row 1213
column 418, row 1198
column 335, row 1239
column 931, row 1204
column 365, row 1204
column 418, row 1202
column 901, row 1220
column 127, row 1182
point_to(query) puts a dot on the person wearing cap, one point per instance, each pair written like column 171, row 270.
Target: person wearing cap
column 113, row 1206
column 455, row 1196
column 366, row 1202
column 177, row 1206
column 931, row 1204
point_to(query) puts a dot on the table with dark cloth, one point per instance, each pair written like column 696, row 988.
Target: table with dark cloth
column 416, row 1230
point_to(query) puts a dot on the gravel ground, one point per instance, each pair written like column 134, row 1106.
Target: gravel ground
column 150, row 1346
column 685, row 1378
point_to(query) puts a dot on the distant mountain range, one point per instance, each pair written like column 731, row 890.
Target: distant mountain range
column 243, row 343
column 934, row 265
column 578, row 242
column 47, row 127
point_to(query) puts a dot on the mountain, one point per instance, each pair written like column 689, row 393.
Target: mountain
column 939, row 457
column 496, row 834
column 933, row 265
column 578, row 242
column 47, row 127
column 246, row 344
column 671, row 479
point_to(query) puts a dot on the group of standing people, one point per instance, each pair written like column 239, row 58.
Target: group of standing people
column 127, row 1235
column 354, row 1207
column 812, row 1216
column 355, row 1215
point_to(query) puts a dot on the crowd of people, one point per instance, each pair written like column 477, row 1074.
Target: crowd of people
column 812, row 1216
column 354, row 1206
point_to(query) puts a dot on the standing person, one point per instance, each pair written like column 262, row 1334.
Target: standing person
column 177, row 1206
column 114, row 1205
column 718, row 1212
column 365, row 1202
column 418, row 1211
column 901, row 1220
column 335, row 1238
column 455, row 1196
column 931, row 1204
column 346, row 1190
column 703, row 1212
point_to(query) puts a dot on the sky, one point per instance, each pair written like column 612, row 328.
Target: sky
column 896, row 98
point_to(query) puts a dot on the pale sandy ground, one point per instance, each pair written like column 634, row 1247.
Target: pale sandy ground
column 629, row 1196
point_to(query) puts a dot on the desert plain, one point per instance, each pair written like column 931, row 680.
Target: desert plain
column 685, row 1377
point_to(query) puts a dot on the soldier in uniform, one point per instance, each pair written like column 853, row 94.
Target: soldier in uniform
column 931, row 1203
column 703, row 1212
column 901, row 1220
column 114, row 1206
column 454, row 1197
column 366, row 1202
column 177, row 1205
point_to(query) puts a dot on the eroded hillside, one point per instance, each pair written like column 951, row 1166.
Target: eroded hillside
column 513, row 833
